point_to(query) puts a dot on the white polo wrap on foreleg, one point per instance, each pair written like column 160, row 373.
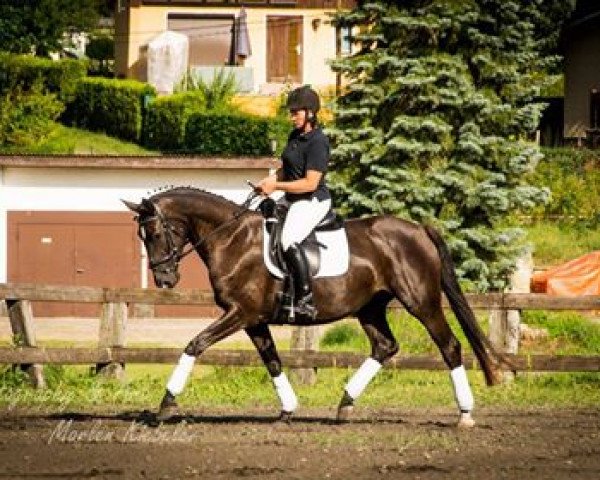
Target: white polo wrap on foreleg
column 285, row 392
column 362, row 377
column 181, row 373
column 462, row 390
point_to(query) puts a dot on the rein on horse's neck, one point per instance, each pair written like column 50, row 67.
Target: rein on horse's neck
column 203, row 213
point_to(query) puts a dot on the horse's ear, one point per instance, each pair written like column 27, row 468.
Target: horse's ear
column 134, row 207
column 148, row 206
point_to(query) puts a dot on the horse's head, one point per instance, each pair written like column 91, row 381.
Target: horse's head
column 162, row 240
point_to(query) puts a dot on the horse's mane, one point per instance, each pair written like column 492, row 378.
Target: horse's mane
column 181, row 190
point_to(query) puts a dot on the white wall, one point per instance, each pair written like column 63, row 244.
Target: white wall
column 81, row 189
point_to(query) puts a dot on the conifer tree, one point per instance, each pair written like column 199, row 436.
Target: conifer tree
column 436, row 119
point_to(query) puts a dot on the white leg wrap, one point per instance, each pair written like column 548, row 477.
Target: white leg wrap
column 362, row 377
column 462, row 390
column 180, row 374
column 285, row 392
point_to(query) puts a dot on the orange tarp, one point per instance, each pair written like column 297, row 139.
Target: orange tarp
column 577, row 277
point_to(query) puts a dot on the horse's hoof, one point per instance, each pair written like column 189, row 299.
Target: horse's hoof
column 166, row 412
column 344, row 413
column 285, row 417
column 465, row 421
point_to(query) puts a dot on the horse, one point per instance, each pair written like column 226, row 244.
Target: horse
column 389, row 258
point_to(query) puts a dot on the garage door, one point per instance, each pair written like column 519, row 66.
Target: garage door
column 73, row 248
column 98, row 249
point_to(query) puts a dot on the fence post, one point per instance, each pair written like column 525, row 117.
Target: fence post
column 505, row 325
column 112, row 334
column 304, row 339
column 21, row 322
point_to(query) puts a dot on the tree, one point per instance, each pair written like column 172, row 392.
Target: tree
column 435, row 121
column 39, row 26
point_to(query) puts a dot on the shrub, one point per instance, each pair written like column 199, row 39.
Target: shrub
column 573, row 176
column 167, row 117
column 115, row 107
column 27, row 118
column 217, row 92
column 101, row 52
column 231, row 134
column 24, row 71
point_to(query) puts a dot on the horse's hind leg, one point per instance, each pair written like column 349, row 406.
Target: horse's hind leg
column 263, row 341
column 383, row 346
column 435, row 322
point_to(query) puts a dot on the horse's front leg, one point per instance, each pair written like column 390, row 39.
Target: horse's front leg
column 263, row 341
column 226, row 325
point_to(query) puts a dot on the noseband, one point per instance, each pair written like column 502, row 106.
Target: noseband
column 172, row 250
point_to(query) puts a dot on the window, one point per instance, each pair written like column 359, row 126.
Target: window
column 344, row 40
column 210, row 36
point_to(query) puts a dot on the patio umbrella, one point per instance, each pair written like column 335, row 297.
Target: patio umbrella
column 242, row 48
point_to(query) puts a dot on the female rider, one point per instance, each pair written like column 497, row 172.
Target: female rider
column 302, row 178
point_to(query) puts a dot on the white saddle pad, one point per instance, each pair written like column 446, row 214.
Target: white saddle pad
column 334, row 258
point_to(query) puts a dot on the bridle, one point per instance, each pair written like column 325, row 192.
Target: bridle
column 173, row 254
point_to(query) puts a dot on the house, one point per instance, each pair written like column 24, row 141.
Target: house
column 581, row 47
column 62, row 221
column 290, row 40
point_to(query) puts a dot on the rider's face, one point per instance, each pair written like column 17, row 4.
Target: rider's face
column 298, row 118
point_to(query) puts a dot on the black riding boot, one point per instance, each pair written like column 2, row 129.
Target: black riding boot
column 297, row 264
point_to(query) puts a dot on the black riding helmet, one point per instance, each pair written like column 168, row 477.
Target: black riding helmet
column 304, row 98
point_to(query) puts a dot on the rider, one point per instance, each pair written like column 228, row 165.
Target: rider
column 302, row 178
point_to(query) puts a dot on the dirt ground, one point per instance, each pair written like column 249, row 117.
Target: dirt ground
column 229, row 444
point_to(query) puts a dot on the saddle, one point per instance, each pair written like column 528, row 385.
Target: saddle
column 274, row 219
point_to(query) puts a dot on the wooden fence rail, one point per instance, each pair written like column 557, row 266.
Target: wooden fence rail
column 55, row 293
column 304, row 359
column 111, row 349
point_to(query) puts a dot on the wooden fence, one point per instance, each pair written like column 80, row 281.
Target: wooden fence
column 111, row 350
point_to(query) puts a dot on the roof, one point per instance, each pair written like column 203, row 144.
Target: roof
column 137, row 162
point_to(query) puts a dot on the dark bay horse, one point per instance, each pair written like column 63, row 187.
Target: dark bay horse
column 390, row 258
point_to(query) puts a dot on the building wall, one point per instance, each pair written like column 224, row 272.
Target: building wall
column 582, row 74
column 100, row 190
column 146, row 22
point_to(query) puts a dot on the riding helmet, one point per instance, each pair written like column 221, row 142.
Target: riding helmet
column 304, row 98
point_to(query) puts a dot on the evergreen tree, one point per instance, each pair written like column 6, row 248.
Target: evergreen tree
column 435, row 120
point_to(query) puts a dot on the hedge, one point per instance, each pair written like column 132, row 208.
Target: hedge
column 232, row 134
column 59, row 77
column 166, row 118
column 113, row 106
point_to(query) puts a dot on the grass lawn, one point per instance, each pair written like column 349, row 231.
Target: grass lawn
column 74, row 387
column 66, row 140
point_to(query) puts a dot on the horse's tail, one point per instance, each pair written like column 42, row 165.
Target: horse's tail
column 484, row 351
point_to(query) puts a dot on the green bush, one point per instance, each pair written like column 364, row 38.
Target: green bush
column 27, row 118
column 231, row 134
column 573, row 176
column 167, row 117
column 115, row 107
column 24, row 71
column 217, row 92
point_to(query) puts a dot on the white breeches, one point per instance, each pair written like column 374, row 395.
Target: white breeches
column 303, row 216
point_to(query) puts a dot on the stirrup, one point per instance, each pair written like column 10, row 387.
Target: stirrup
column 305, row 307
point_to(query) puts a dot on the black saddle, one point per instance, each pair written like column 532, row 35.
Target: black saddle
column 275, row 216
